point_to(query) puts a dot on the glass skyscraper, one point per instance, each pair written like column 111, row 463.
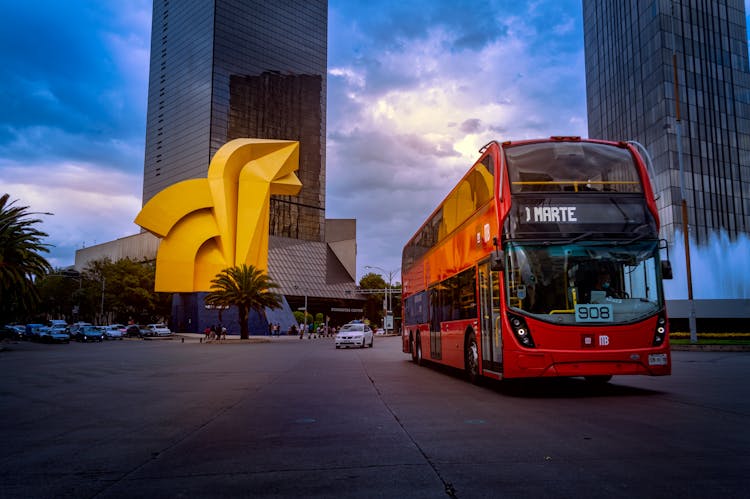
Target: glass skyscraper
column 226, row 69
column 634, row 50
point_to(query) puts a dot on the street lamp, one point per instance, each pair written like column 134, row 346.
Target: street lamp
column 683, row 202
column 71, row 274
column 296, row 288
column 102, row 309
column 388, row 294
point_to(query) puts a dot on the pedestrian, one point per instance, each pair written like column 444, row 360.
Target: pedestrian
column 206, row 333
column 223, row 332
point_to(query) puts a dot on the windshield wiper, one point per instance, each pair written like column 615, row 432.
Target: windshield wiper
column 627, row 219
column 572, row 240
column 640, row 228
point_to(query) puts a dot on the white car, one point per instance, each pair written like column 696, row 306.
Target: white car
column 157, row 330
column 113, row 332
column 354, row 334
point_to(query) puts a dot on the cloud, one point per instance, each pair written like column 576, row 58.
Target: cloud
column 88, row 204
column 72, row 127
column 410, row 103
column 414, row 90
column 73, row 70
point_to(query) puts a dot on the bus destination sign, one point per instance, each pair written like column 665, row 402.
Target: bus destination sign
column 552, row 214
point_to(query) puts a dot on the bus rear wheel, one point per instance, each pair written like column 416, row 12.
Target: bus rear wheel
column 417, row 355
column 471, row 358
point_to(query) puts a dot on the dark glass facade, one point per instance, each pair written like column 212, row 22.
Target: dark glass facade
column 630, row 77
column 227, row 69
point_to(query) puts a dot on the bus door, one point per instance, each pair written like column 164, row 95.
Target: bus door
column 436, row 316
column 489, row 303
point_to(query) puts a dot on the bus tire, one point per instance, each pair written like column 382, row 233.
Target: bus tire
column 471, row 358
column 418, row 351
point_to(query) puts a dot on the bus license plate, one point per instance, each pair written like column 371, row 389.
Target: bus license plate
column 657, row 359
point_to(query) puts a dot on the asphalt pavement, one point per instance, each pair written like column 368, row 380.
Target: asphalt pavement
column 282, row 417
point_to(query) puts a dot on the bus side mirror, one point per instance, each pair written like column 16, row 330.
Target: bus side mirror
column 497, row 261
column 666, row 269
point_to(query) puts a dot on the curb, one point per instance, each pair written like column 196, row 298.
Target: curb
column 710, row 348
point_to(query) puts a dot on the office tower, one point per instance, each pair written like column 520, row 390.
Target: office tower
column 633, row 50
column 226, row 69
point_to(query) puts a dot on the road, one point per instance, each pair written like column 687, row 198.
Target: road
column 298, row 418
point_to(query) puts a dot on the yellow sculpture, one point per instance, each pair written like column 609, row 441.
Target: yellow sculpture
column 213, row 223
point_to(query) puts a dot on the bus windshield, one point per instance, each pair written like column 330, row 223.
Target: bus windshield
column 571, row 167
column 584, row 282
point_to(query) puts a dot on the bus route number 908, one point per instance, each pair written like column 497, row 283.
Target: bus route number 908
column 594, row 312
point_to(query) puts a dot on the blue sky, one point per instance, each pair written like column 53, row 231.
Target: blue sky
column 414, row 90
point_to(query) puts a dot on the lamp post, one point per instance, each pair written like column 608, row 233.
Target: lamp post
column 102, row 309
column 683, row 202
column 388, row 295
column 68, row 274
column 296, row 288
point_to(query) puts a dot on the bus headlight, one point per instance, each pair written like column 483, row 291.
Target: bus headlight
column 660, row 332
column 521, row 330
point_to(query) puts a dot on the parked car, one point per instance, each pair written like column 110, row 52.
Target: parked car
column 58, row 324
column 133, row 331
column 354, row 334
column 55, row 334
column 31, row 331
column 73, row 328
column 89, row 333
column 157, row 330
column 114, row 332
column 12, row 332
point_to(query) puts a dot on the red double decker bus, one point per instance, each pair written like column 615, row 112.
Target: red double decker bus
column 544, row 260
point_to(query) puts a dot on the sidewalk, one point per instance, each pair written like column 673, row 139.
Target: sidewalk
column 710, row 348
column 232, row 338
column 235, row 339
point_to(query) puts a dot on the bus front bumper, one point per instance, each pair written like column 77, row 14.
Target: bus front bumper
column 530, row 364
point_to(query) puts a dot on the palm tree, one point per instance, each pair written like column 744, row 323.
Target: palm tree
column 245, row 287
column 20, row 258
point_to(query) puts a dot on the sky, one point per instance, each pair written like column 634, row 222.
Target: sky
column 415, row 89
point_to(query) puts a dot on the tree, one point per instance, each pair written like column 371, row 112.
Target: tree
column 59, row 294
column 300, row 317
column 245, row 287
column 374, row 304
column 104, row 292
column 20, row 259
column 124, row 289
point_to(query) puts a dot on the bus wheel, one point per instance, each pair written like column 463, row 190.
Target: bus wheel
column 598, row 380
column 471, row 358
column 418, row 351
